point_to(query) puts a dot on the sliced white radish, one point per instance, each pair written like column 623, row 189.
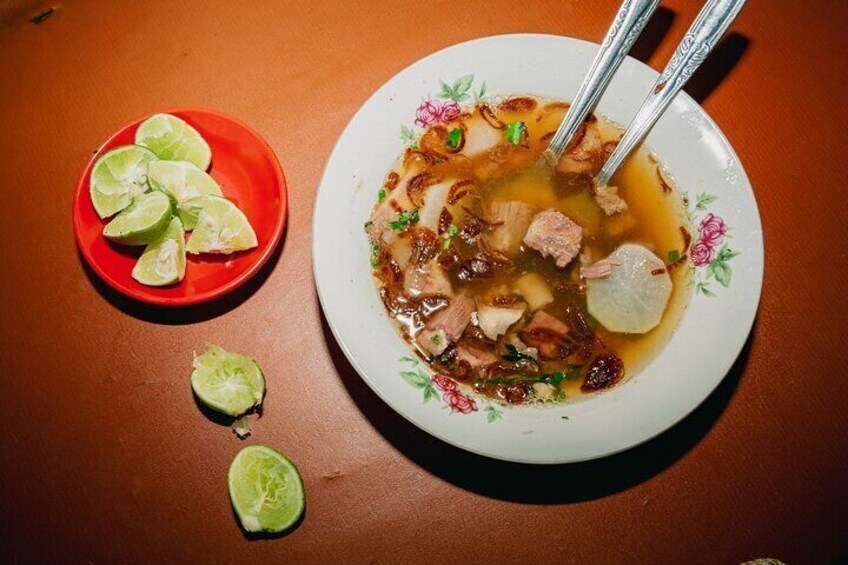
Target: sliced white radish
column 634, row 296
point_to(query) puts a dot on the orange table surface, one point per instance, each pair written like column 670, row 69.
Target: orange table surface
column 105, row 458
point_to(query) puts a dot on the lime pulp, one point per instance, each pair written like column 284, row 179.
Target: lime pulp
column 173, row 139
column 164, row 260
column 227, row 382
column 266, row 489
column 118, row 177
column 221, row 228
column 187, row 186
column 142, row 221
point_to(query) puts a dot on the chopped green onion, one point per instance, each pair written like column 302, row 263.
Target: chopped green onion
column 381, row 195
column 405, row 219
column 375, row 252
column 515, row 132
column 673, row 255
column 453, row 138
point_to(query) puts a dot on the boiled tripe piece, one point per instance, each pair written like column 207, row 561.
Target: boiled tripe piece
column 634, row 296
column 512, row 219
column 164, row 260
column 496, row 321
column 535, row 290
column 142, row 221
column 118, row 177
column 173, row 139
column 186, row 184
column 221, row 228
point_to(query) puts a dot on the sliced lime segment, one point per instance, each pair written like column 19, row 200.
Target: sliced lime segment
column 142, row 222
column 164, row 260
column 187, row 186
column 227, row 382
column 221, row 228
column 118, row 176
column 266, row 489
column 173, row 139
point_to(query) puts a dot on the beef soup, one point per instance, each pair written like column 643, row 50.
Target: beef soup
column 523, row 285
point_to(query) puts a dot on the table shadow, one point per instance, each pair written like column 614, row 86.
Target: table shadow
column 717, row 66
column 653, row 35
column 537, row 484
column 185, row 314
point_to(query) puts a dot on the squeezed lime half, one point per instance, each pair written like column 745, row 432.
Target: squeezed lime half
column 227, row 382
column 142, row 221
column 221, row 228
column 164, row 260
column 119, row 176
column 187, row 186
column 173, row 139
column 266, row 489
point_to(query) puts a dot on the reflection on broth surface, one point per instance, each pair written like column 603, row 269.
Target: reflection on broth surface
column 486, row 261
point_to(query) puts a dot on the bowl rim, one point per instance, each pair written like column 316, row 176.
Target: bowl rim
column 725, row 368
column 149, row 296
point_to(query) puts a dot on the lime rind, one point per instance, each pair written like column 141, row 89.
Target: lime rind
column 266, row 489
column 227, row 382
column 164, row 260
column 221, row 228
column 118, row 177
column 142, row 221
column 187, row 186
column 172, row 139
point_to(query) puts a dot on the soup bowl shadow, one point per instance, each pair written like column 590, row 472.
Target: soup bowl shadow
column 537, row 484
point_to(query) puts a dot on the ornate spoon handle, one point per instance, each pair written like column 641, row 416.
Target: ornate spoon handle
column 626, row 27
column 714, row 19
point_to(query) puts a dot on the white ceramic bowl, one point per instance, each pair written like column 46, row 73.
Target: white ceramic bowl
column 710, row 335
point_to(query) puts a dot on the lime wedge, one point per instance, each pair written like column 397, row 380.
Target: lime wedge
column 221, row 228
column 118, row 176
column 187, row 186
column 164, row 260
column 227, row 382
column 266, row 489
column 173, row 139
column 142, row 222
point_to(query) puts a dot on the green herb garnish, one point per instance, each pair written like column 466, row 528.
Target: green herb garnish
column 368, row 224
column 443, row 359
column 436, row 339
column 515, row 132
column 512, row 354
column 381, row 195
column 453, row 138
column 405, row 219
column 375, row 252
column 452, row 231
column 673, row 256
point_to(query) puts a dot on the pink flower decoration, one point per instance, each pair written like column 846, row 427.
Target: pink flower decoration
column 701, row 253
column 461, row 403
column 450, row 111
column 430, row 111
column 713, row 229
column 457, row 401
column 443, row 383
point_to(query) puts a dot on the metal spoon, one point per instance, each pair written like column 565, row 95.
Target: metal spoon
column 713, row 20
column 626, row 27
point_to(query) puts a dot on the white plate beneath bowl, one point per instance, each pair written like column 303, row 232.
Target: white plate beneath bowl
column 707, row 341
